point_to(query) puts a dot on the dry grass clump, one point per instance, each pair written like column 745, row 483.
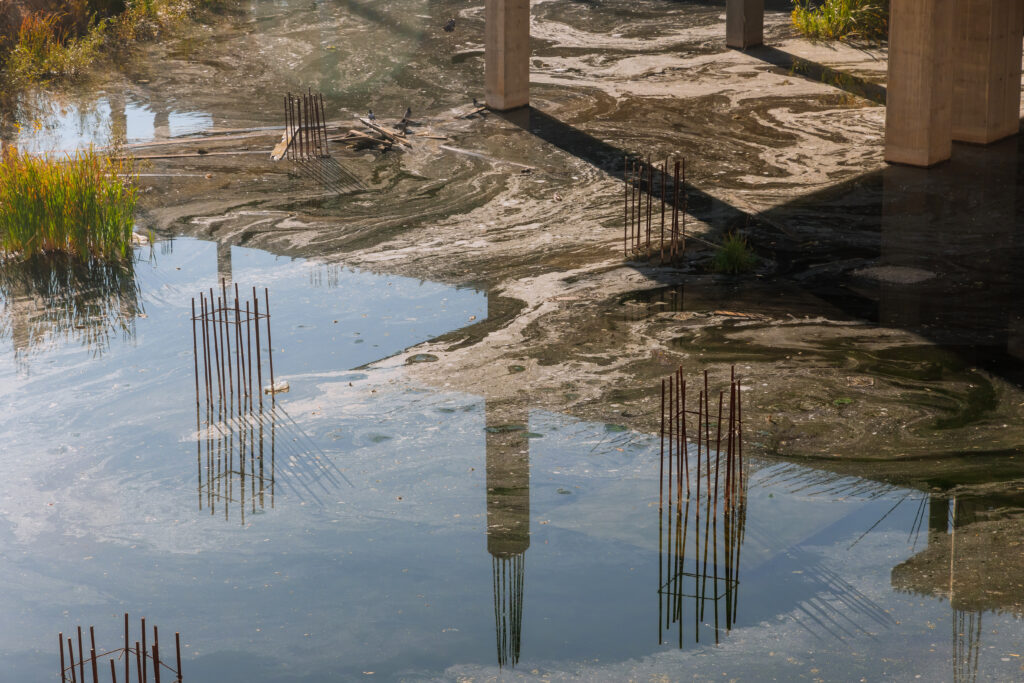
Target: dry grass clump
column 82, row 205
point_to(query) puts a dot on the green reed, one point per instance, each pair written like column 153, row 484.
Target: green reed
column 833, row 19
column 82, row 205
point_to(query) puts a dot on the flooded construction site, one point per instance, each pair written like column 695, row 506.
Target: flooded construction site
column 398, row 387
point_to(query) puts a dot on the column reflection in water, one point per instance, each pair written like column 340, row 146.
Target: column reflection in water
column 973, row 559
column 508, row 522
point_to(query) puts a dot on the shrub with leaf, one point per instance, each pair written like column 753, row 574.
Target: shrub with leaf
column 82, row 204
column 835, row 19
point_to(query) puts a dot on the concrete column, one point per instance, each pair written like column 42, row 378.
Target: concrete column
column 986, row 69
column 918, row 116
column 507, row 54
column 744, row 23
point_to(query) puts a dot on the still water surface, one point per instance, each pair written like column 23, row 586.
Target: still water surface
column 379, row 529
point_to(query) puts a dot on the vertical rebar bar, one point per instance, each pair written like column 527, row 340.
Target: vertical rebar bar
column 145, row 652
column 661, row 241
column 718, row 451
column 71, row 655
column 240, row 360
column 323, row 119
column 60, row 646
column 287, row 129
column 625, row 205
column 81, row 657
column 675, row 214
column 270, row 347
column 661, row 477
column 177, row 653
column 650, row 201
column 259, row 362
column 127, row 643
column 248, row 355
column 195, row 350
column 682, row 213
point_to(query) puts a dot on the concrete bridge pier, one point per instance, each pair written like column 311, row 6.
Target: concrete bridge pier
column 507, row 54
column 986, row 69
column 954, row 74
column 744, row 23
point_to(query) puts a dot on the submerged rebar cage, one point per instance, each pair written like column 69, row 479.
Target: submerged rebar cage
column 142, row 658
column 700, row 450
column 650, row 191
column 225, row 332
column 305, row 126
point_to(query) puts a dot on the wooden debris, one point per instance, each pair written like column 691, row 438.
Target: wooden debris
column 474, row 112
column 388, row 135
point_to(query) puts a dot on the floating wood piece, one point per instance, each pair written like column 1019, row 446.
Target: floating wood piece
column 393, row 137
column 474, row 112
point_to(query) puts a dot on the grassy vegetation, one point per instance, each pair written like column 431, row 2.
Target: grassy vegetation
column 734, row 256
column 42, row 40
column 835, row 19
column 82, row 205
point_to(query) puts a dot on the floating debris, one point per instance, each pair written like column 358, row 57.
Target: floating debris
column 142, row 656
column 281, row 387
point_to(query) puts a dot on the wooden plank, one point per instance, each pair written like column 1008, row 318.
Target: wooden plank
column 478, row 110
column 286, row 140
column 394, row 137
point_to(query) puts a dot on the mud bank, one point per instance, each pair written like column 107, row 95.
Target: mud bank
column 848, row 361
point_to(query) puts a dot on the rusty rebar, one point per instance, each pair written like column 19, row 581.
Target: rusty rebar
column 625, row 205
column 270, row 347
column 661, row 476
column 177, row 653
column 71, row 655
column 259, row 364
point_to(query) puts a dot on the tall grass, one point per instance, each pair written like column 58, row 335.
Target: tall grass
column 734, row 256
column 834, row 19
column 45, row 50
column 83, row 205
column 42, row 40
